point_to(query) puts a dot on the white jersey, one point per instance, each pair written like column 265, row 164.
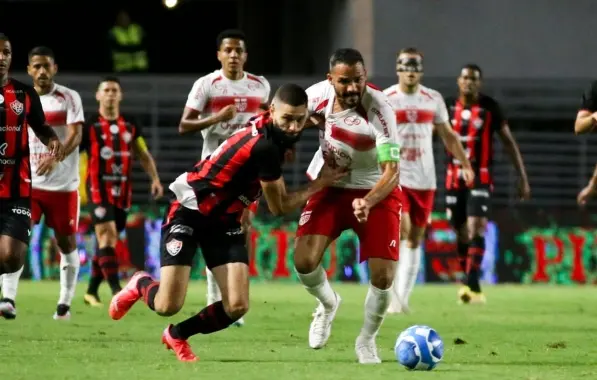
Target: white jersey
column 415, row 116
column 351, row 137
column 62, row 106
column 214, row 91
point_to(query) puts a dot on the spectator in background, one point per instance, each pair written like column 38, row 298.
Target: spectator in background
column 129, row 53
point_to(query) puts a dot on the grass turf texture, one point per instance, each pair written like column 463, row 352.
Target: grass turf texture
column 538, row 332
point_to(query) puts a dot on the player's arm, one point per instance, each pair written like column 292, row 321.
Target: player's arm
column 586, row 118
column 513, row 151
column 191, row 120
column 452, row 143
column 148, row 164
column 273, row 186
column 37, row 121
column 75, row 120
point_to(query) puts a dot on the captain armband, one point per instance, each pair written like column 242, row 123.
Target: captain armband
column 388, row 152
column 141, row 145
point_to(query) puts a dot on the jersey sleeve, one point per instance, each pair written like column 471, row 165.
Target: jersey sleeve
column 317, row 100
column 74, row 112
column 199, row 95
column 267, row 159
column 589, row 99
column 35, row 118
column 385, row 132
column 441, row 112
column 268, row 90
column 138, row 128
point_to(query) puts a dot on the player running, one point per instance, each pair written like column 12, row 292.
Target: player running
column 222, row 102
column 209, row 203
column 111, row 140
column 419, row 111
column 475, row 117
column 360, row 135
column 20, row 107
column 55, row 187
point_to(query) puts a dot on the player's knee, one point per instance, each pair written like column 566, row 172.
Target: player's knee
column 236, row 307
column 167, row 308
column 10, row 261
column 383, row 280
column 476, row 228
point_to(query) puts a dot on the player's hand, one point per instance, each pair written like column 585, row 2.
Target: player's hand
column 468, row 175
column 361, row 209
column 227, row 113
column 46, row 165
column 56, row 149
column 524, row 191
column 315, row 121
column 585, row 194
column 157, row 190
column 330, row 174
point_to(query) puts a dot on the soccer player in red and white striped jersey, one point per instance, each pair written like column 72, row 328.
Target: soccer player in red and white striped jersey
column 222, row 102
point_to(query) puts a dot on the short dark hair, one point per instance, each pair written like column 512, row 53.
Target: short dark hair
column 473, row 67
column 346, row 56
column 3, row 37
column 109, row 78
column 42, row 50
column 292, row 94
column 410, row 50
column 237, row 34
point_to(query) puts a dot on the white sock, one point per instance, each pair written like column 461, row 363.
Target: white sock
column 69, row 273
column 376, row 305
column 317, row 284
column 10, row 283
column 213, row 291
column 408, row 269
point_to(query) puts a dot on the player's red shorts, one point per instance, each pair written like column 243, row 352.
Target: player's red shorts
column 329, row 212
column 61, row 209
column 418, row 204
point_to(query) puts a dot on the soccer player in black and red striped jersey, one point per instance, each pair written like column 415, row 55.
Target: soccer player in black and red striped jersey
column 111, row 139
column 210, row 200
column 475, row 118
column 20, row 107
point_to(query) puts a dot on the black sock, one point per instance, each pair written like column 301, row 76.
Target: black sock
column 109, row 266
column 148, row 289
column 476, row 251
column 211, row 319
column 96, row 277
column 462, row 253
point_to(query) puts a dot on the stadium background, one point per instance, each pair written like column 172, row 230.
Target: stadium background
column 537, row 76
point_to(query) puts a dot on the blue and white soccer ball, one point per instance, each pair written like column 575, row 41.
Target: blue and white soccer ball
column 419, row 348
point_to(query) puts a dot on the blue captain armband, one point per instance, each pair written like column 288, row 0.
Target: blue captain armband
column 388, row 152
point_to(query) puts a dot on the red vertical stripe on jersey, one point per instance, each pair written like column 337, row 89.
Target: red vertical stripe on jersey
column 486, row 150
column 208, row 164
column 94, row 165
column 125, row 194
column 10, row 138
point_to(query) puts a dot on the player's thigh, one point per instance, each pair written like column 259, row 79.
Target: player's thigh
column 479, row 202
column 37, row 202
column 422, row 206
column 405, row 222
column 62, row 215
column 456, row 207
column 379, row 235
column 320, row 223
column 103, row 219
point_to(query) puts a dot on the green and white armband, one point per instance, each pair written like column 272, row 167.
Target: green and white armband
column 388, row 152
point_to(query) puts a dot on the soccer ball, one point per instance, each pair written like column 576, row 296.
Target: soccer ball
column 419, row 348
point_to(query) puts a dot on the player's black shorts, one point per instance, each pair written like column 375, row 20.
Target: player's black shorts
column 106, row 212
column 15, row 218
column 463, row 203
column 184, row 230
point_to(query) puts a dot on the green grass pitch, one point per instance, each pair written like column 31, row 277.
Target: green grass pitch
column 524, row 332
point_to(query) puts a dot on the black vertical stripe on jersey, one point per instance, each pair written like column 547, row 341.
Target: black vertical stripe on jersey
column 100, row 142
column 3, row 114
column 117, row 162
column 21, row 151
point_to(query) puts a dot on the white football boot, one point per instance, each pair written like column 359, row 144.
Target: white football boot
column 321, row 326
column 366, row 350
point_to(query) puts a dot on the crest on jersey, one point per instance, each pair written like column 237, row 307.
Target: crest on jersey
column 17, row 107
column 173, row 247
column 114, row 129
column 127, row 137
column 412, row 116
column 305, row 216
column 240, row 104
column 100, row 212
